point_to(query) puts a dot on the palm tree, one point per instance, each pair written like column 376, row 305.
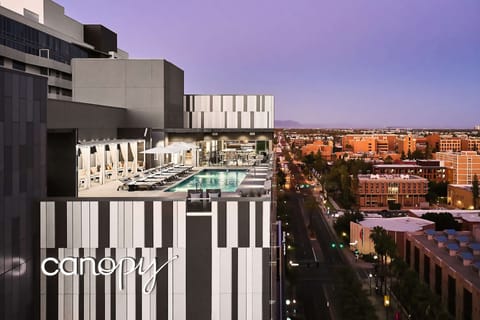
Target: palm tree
column 384, row 247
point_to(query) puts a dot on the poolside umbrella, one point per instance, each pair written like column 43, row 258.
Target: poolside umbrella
column 184, row 145
column 156, row 150
column 161, row 150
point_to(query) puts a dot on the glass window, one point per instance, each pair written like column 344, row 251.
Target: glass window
column 17, row 65
column 21, row 37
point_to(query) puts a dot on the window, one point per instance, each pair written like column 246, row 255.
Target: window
column 1, row 61
column 24, row 38
column 407, row 252
column 66, row 92
column 452, row 294
column 17, row 65
column 416, row 259
column 467, row 305
column 426, row 269
column 438, row 280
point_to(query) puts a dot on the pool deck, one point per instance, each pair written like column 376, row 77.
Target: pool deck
column 254, row 182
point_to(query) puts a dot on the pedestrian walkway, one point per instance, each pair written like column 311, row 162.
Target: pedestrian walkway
column 334, row 204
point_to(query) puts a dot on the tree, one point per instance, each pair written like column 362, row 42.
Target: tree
column 417, row 154
column 403, row 156
column 384, row 247
column 475, row 192
column 436, row 190
column 443, row 220
column 342, row 224
column 388, row 160
column 281, row 178
column 428, row 152
column 409, row 154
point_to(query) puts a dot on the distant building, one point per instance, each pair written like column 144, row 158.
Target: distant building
column 319, row 146
column 477, row 127
column 461, row 166
column 406, row 144
column 469, row 219
column 376, row 191
column 471, row 144
column 428, row 169
column 395, row 227
column 360, row 143
column 433, row 141
column 450, row 144
column 460, row 196
column 448, row 262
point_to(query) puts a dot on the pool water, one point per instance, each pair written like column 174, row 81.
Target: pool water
column 223, row 179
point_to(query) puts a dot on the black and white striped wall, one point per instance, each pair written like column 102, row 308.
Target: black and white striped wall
column 223, row 269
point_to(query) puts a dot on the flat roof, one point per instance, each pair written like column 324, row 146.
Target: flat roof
column 467, row 215
column 467, row 187
column 454, row 262
column 398, row 224
column 389, row 177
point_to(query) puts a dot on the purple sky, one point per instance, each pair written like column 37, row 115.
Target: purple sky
column 335, row 63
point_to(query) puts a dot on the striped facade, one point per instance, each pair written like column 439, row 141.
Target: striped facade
column 228, row 111
column 223, row 269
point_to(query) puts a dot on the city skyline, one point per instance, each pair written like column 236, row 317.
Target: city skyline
column 402, row 64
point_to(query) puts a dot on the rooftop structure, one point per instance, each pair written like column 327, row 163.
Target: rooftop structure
column 449, row 263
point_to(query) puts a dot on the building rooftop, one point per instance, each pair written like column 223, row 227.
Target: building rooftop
column 466, row 215
column 463, row 260
column 389, row 177
column 398, row 224
column 467, row 187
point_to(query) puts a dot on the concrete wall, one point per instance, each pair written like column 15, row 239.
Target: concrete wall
column 56, row 19
column 51, row 18
column 150, row 89
column 35, row 6
column 92, row 121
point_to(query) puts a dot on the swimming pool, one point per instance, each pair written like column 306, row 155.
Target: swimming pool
column 226, row 180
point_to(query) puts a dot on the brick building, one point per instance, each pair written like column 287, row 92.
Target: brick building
column 376, row 191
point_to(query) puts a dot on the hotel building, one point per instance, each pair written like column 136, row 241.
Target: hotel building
column 376, row 191
column 106, row 157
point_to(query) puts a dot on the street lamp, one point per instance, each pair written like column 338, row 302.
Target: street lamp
column 370, row 275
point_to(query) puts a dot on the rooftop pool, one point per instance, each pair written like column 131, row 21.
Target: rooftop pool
column 226, row 180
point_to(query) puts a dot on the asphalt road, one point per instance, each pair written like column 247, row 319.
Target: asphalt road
column 312, row 286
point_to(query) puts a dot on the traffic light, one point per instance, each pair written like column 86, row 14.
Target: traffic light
column 333, row 244
column 341, row 245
